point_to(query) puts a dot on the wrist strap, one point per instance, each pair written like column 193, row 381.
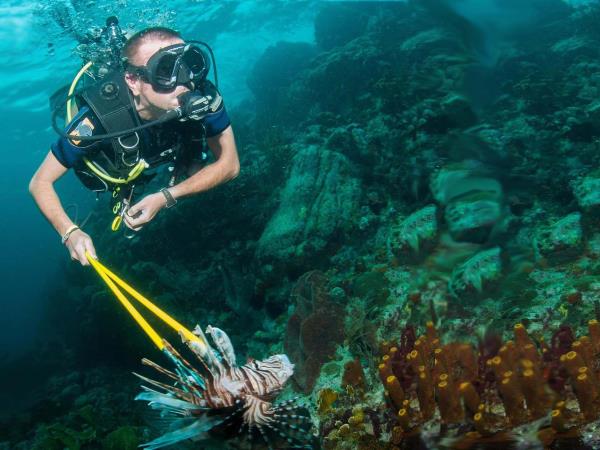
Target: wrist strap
column 65, row 237
column 170, row 200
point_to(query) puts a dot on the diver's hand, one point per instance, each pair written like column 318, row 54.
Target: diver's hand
column 78, row 243
column 144, row 211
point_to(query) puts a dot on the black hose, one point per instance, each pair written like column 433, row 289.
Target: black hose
column 170, row 115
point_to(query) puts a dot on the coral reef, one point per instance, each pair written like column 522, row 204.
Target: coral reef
column 586, row 191
column 411, row 165
column 520, row 393
column 319, row 200
column 416, row 234
column 477, row 275
column 562, row 240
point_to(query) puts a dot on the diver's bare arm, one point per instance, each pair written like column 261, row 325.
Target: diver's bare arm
column 225, row 168
column 42, row 189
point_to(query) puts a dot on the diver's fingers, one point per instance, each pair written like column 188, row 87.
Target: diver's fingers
column 127, row 222
column 77, row 244
column 73, row 244
column 89, row 246
column 136, row 209
column 133, row 226
column 135, row 220
column 81, row 254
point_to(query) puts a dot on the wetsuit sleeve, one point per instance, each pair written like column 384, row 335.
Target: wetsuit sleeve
column 217, row 119
column 215, row 123
column 71, row 152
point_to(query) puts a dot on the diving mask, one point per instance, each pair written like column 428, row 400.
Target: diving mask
column 174, row 65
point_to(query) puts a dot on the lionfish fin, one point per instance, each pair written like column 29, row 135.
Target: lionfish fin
column 265, row 437
column 160, row 369
column 291, row 423
column 181, row 362
column 196, row 430
column 223, row 344
column 167, row 403
column 187, row 396
column 205, row 353
column 291, row 438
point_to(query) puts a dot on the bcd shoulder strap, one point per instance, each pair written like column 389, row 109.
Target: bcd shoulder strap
column 111, row 102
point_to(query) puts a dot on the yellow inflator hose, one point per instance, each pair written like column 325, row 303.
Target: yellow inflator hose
column 113, row 280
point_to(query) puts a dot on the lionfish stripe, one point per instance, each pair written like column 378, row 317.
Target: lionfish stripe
column 254, row 385
column 270, row 370
column 265, row 372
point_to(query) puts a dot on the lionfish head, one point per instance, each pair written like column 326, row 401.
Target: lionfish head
column 279, row 366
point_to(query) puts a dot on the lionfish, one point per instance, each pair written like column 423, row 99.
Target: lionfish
column 223, row 399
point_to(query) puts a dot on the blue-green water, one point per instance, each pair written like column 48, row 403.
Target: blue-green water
column 401, row 162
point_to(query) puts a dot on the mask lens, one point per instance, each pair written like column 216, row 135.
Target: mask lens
column 164, row 69
column 194, row 59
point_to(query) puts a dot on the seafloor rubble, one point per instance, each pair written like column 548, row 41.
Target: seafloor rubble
column 409, row 168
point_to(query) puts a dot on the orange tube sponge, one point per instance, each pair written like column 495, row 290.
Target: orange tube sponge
column 584, row 347
column 396, row 392
column 586, row 394
column 521, row 337
column 467, row 361
column 573, row 361
column 425, row 395
column 558, row 420
column 404, row 419
column 450, row 409
column 385, row 368
column 533, row 391
column 482, row 423
column 508, row 353
column 512, row 398
column 498, row 365
column 530, row 352
column 469, row 396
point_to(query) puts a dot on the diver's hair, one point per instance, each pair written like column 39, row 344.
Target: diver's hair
column 135, row 42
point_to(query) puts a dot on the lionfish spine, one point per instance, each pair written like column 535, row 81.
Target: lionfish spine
column 168, row 373
column 187, row 396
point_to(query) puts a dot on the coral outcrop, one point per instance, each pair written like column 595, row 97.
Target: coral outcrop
column 479, row 274
column 319, row 200
column 560, row 241
column 415, row 235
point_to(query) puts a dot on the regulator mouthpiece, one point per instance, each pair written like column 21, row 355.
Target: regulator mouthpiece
column 193, row 105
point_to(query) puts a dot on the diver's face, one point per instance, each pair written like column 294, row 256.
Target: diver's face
column 152, row 104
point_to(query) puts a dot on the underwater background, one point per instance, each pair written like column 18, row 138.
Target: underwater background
column 416, row 225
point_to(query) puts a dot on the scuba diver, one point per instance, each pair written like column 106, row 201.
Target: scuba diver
column 149, row 105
